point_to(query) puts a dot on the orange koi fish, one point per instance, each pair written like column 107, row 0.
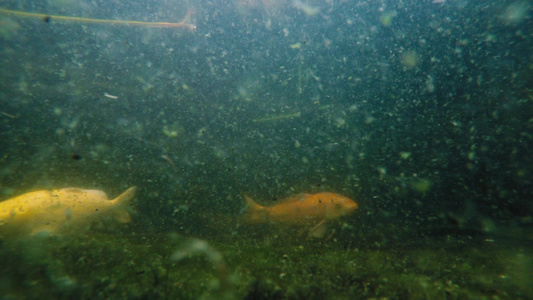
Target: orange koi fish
column 302, row 210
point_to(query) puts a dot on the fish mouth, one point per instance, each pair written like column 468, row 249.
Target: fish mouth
column 351, row 208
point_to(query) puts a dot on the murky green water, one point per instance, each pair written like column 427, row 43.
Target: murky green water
column 419, row 111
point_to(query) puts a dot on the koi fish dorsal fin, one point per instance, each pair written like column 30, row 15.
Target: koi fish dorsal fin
column 255, row 213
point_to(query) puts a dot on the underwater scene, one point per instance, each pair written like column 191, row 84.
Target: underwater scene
column 266, row 149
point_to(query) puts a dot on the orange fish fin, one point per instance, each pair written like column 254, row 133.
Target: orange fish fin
column 319, row 230
column 255, row 213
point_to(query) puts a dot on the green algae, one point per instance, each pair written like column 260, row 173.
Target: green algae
column 139, row 266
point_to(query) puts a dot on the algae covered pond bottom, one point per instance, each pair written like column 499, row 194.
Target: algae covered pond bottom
column 170, row 266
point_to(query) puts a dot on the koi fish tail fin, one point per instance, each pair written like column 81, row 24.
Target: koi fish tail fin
column 126, row 197
column 254, row 213
column 121, row 213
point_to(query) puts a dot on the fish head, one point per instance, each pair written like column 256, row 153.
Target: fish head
column 338, row 205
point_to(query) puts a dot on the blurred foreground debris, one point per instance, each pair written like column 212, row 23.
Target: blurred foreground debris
column 201, row 247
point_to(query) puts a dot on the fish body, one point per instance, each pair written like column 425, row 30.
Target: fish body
column 55, row 210
column 302, row 209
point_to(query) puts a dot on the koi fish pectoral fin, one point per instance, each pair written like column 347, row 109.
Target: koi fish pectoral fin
column 319, row 230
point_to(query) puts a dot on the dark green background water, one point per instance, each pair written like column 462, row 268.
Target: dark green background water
column 421, row 111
